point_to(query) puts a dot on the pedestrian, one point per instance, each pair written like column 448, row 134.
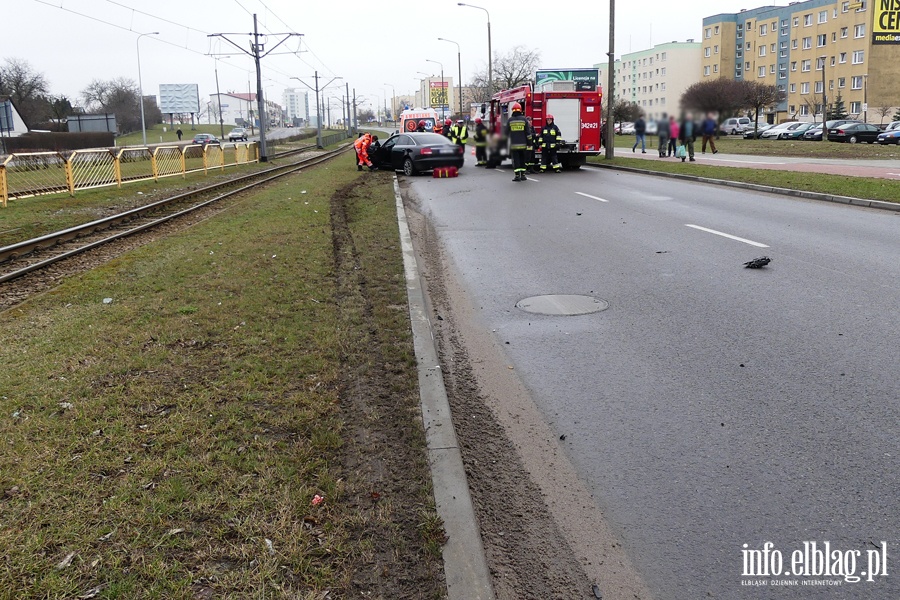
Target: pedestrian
column 708, row 130
column 480, row 138
column 662, row 130
column 548, row 140
column 674, row 130
column 179, row 133
column 640, row 134
column 517, row 131
column 459, row 133
column 687, row 133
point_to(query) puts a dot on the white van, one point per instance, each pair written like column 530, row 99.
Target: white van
column 735, row 125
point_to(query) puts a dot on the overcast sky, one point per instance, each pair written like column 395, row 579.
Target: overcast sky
column 369, row 44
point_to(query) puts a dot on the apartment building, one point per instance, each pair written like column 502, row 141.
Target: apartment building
column 296, row 105
column 656, row 78
column 814, row 51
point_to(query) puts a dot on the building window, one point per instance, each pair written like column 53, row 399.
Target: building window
column 783, row 54
column 772, row 48
column 842, row 82
column 793, row 88
column 662, row 86
column 707, row 33
column 796, row 21
column 862, row 6
column 807, row 20
column 763, row 29
column 804, row 88
column 772, row 69
column 856, row 107
column 859, row 31
column 833, row 36
column 823, row 16
column 761, row 72
column 804, row 110
column 821, row 40
column 762, row 50
column 739, row 54
column 717, row 30
column 806, row 65
column 793, row 65
column 782, row 75
column 833, row 60
column 715, row 68
column 706, row 71
column 792, row 109
column 793, row 44
column 746, row 65
column 784, row 22
column 706, row 52
column 663, row 72
column 819, row 87
column 859, row 57
column 715, row 49
column 845, row 7
column 784, row 31
column 843, row 57
column 856, row 82
column 820, row 64
column 844, row 31
column 664, row 56
column 748, row 45
column 807, row 43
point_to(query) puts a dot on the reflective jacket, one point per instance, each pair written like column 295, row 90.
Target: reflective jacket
column 550, row 135
column 480, row 136
column 519, row 132
column 459, row 134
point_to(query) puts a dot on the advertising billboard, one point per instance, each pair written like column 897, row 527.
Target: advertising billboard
column 179, row 98
column 438, row 94
column 585, row 79
column 886, row 24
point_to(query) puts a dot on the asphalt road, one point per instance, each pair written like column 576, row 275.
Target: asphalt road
column 710, row 406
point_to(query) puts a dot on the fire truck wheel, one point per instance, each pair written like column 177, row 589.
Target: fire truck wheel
column 409, row 169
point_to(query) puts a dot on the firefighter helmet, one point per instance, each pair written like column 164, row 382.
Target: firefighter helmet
column 422, row 124
column 448, row 121
column 549, row 117
column 478, row 119
column 516, row 107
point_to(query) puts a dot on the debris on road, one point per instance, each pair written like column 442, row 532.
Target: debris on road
column 758, row 263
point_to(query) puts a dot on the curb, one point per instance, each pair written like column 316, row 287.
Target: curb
column 894, row 206
column 465, row 565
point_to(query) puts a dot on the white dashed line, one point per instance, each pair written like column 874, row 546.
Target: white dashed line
column 727, row 235
column 532, row 179
column 591, row 197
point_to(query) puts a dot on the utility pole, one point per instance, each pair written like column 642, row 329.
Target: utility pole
column 349, row 119
column 824, row 103
column 257, row 52
column 355, row 117
column 611, row 79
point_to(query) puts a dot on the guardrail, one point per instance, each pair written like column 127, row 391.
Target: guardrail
column 35, row 173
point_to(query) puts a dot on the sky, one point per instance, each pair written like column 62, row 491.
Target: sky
column 378, row 48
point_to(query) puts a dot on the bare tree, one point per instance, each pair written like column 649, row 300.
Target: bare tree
column 27, row 88
column 118, row 96
column 725, row 96
column 758, row 95
column 884, row 111
column 624, row 110
column 515, row 68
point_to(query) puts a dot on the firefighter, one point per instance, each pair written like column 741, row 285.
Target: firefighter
column 448, row 129
column 421, row 127
column 520, row 136
column 459, row 134
column 530, row 160
column 548, row 139
column 361, row 146
column 480, row 138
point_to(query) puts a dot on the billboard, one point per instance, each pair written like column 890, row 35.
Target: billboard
column 179, row 98
column 585, row 79
column 438, row 94
column 886, row 25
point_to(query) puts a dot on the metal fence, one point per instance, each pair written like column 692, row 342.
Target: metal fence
column 35, row 173
column 334, row 138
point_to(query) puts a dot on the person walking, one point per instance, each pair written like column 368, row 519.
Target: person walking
column 708, row 130
column 480, row 138
column 548, row 140
column 640, row 134
column 687, row 133
column 179, row 133
column 662, row 130
column 519, row 134
column 674, row 130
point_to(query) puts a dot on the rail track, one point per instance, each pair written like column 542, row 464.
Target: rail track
column 29, row 256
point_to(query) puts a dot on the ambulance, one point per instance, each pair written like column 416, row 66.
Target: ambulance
column 409, row 119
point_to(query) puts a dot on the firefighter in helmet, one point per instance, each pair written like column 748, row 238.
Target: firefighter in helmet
column 448, row 129
column 481, row 141
column 459, row 133
column 421, row 126
column 548, row 140
column 520, row 136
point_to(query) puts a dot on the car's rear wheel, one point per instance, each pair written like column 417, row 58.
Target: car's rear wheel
column 853, row 139
column 409, row 169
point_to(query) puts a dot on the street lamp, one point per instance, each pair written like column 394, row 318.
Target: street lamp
column 443, row 87
column 459, row 62
column 218, row 97
column 393, row 101
column 141, row 86
column 866, row 99
column 824, row 103
column 490, row 56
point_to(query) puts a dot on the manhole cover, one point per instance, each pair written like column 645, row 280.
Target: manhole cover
column 562, row 305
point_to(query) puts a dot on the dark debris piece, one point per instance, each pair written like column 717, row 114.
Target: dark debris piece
column 758, row 263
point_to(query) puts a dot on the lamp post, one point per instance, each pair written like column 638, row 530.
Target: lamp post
column 824, row 103
column 218, row 97
column 866, row 99
column 141, row 85
column 490, row 56
column 393, row 101
column 319, row 111
column 443, row 87
column 459, row 63
column 610, row 83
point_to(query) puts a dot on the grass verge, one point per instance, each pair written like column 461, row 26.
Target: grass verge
column 171, row 443
column 837, row 185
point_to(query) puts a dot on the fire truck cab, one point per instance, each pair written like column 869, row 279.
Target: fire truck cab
column 578, row 115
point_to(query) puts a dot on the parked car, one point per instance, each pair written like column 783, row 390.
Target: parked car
column 651, row 128
column 891, row 135
column 814, row 134
column 892, row 126
column 237, row 134
column 796, row 132
column 625, row 128
column 417, row 152
column 755, row 134
column 853, row 133
column 205, row 138
column 735, row 125
column 774, row 132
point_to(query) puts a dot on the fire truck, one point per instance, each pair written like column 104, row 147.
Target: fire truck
column 578, row 115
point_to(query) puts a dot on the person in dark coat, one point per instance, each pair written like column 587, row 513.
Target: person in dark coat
column 687, row 133
column 662, row 130
column 640, row 134
column 518, row 131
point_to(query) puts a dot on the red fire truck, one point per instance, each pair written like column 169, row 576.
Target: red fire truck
column 578, row 115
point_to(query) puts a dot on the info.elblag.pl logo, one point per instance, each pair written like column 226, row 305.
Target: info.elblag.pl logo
column 815, row 563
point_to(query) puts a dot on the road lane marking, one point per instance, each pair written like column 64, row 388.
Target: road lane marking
column 532, row 179
column 727, row 235
column 591, row 197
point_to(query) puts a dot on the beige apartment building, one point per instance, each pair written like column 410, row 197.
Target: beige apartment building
column 814, row 51
column 655, row 78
